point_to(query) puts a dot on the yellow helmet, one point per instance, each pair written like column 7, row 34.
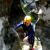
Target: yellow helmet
column 27, row 19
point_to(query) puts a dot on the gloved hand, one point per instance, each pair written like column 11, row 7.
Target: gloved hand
column 25, row 40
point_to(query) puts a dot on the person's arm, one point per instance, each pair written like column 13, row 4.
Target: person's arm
column 19, row 24
column 31, row 33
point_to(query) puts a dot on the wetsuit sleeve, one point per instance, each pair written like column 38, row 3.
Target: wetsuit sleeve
column 19, row 24
column 31, row 31
column 31, row 35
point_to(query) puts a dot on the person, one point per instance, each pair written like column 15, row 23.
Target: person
column 29, row 28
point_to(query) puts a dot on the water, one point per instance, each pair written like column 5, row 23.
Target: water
column 2, row 45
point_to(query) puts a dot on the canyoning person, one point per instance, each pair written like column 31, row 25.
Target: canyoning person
column 29, row 29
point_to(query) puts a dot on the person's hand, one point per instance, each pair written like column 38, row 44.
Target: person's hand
column 25, row 40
